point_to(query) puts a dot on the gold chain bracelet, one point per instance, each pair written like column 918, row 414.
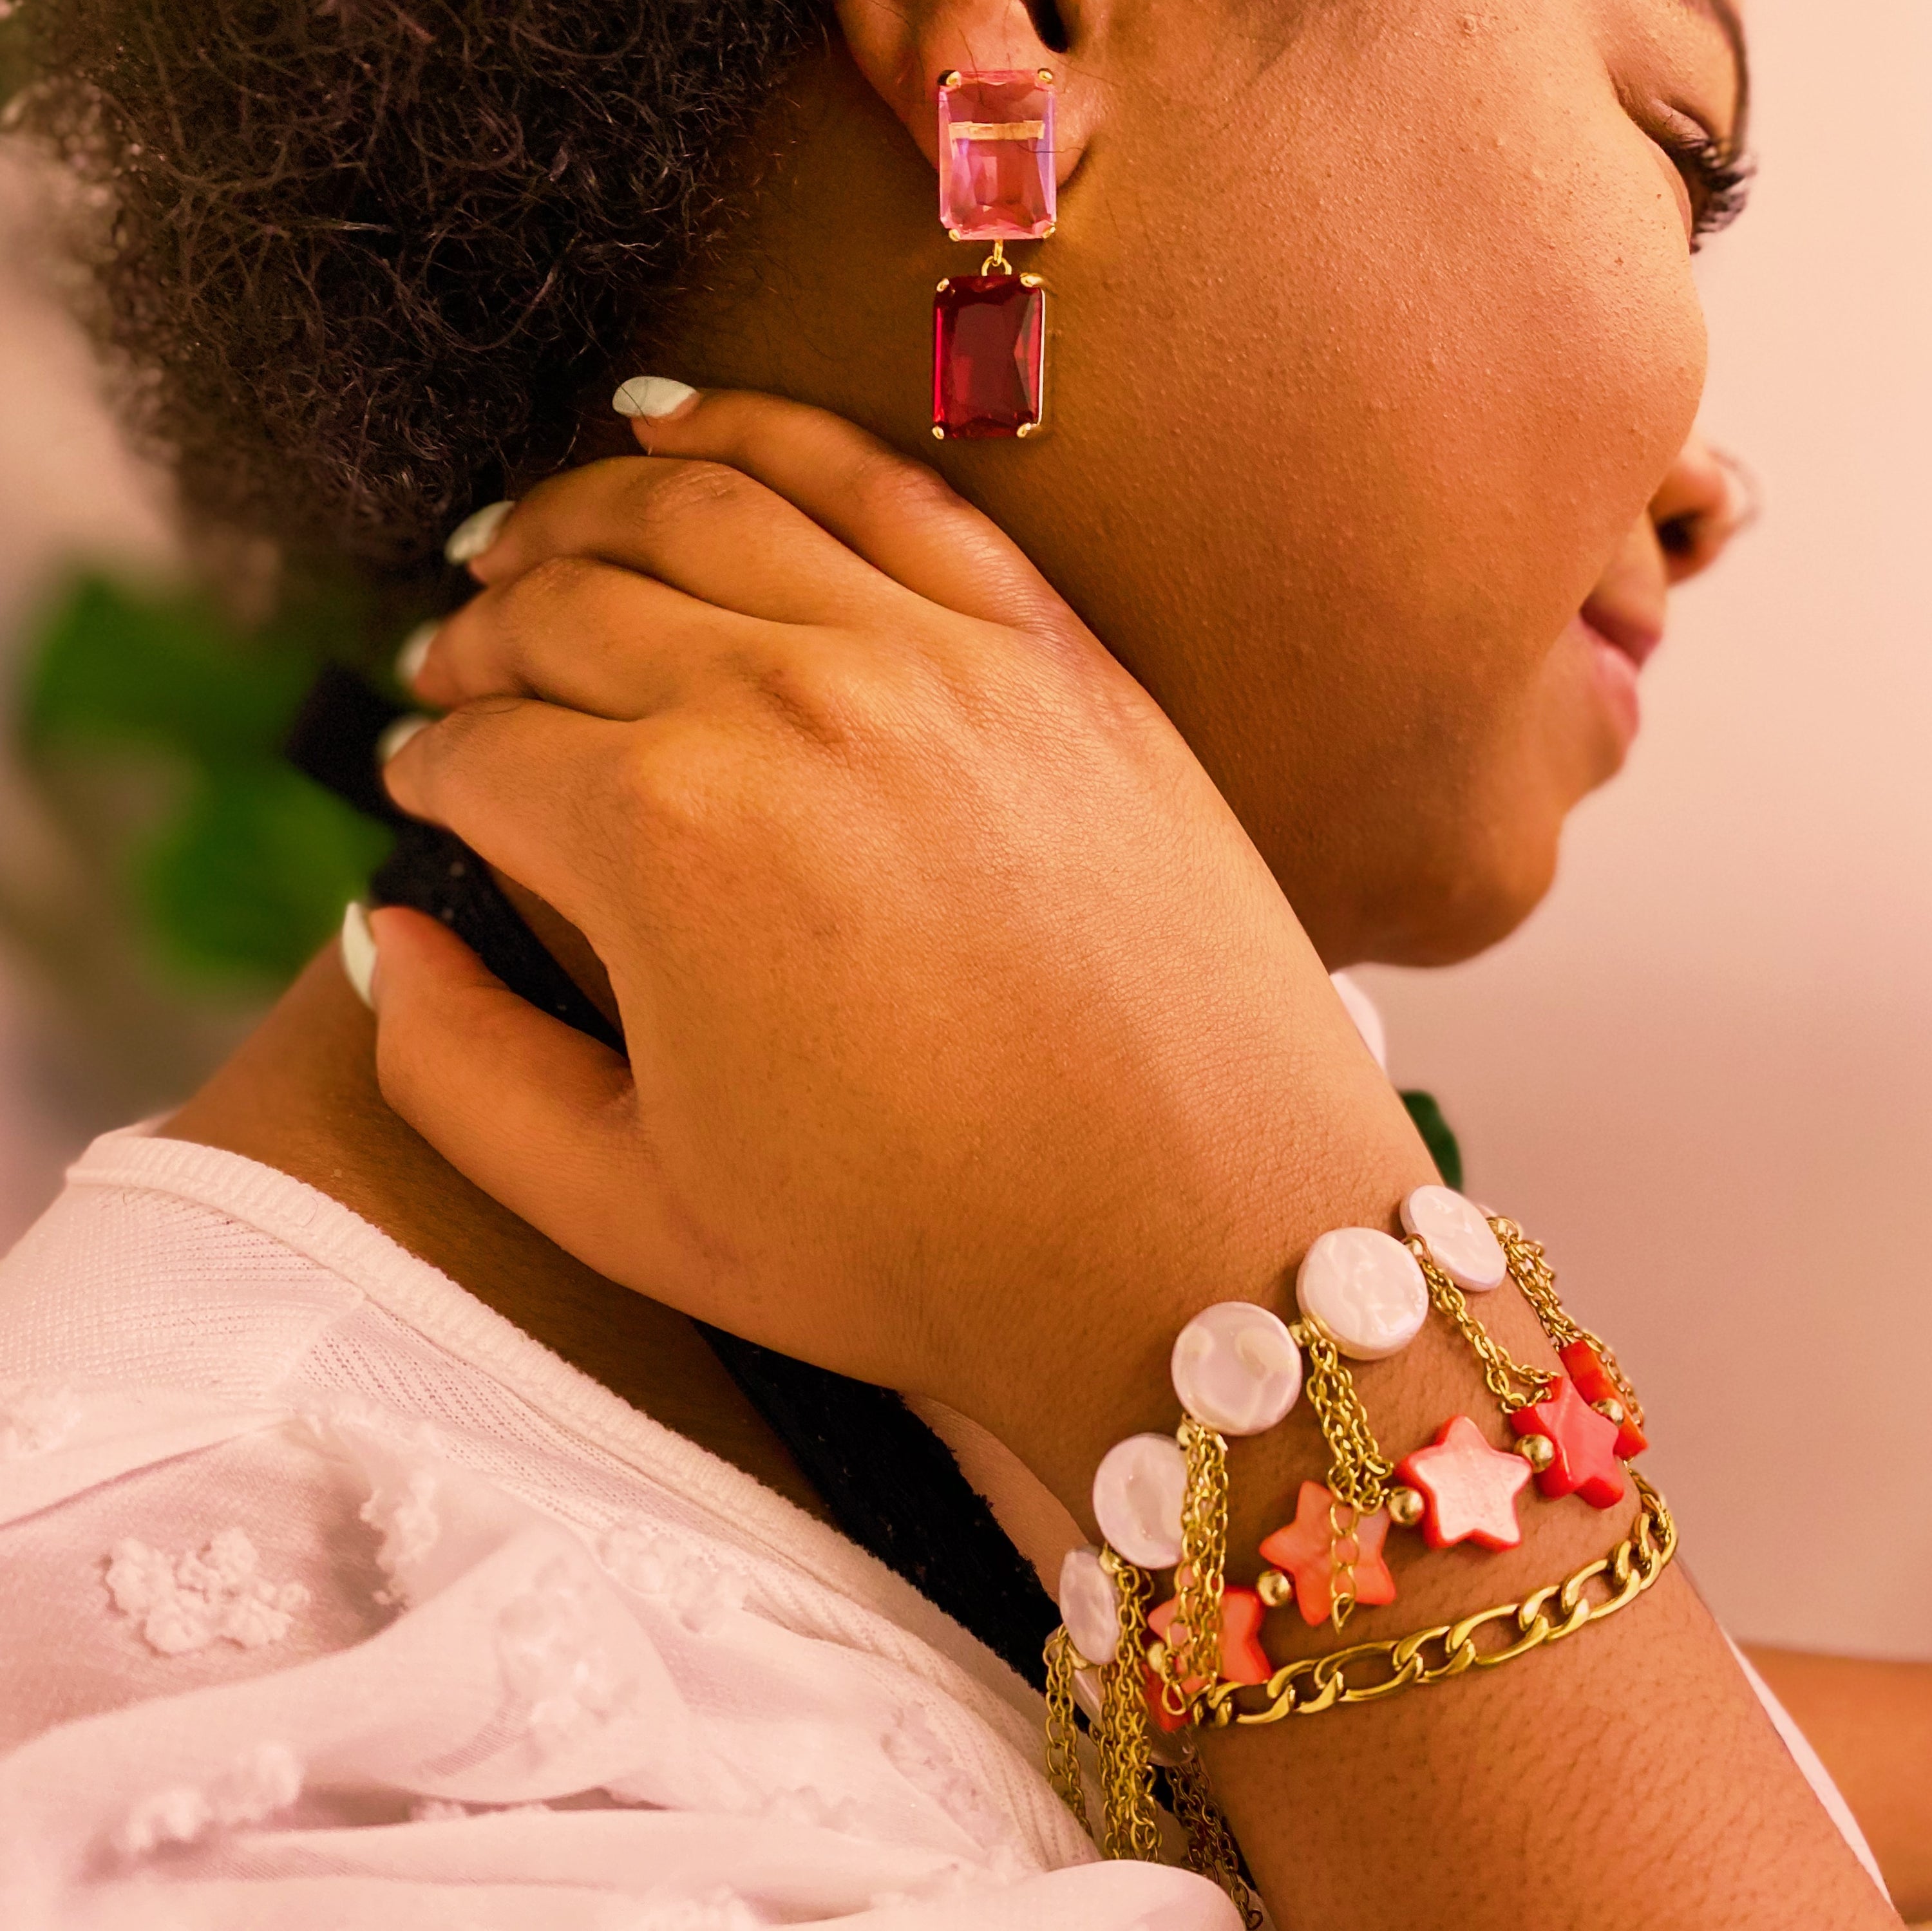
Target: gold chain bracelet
column 1315, row 1684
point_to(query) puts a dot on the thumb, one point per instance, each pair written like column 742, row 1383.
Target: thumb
column 539, row 1116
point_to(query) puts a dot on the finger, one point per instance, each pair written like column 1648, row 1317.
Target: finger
column 533, row 789
column 709, row 530
column 539, row 1116
column 899, row 515
column 589, row 636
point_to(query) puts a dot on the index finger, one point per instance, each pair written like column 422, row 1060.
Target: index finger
column 900, row 516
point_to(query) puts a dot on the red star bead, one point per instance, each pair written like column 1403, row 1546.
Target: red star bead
column 1305, row 1550
column 1468, row 1489
column 1242, row 1659
column 1585, row 1367
column 1586, row 1461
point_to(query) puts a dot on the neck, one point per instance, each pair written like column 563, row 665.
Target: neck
column 301, row 1096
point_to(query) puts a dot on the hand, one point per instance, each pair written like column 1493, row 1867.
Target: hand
column 971, row 1045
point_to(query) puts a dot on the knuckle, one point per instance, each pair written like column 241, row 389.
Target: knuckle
column 668, row 499
column 556, row 580
column 829, row 698
column 890, row 485
column 667, row 786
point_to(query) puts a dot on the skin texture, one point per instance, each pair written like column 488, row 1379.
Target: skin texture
column 1334, row 493
column 832, row 1126
column 1435, row 463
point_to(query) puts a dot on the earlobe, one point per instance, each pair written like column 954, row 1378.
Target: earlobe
column 902, row 47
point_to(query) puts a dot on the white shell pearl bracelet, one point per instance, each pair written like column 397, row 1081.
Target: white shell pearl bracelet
column 1236, row 1367
column 1460, row 1241
column 1364, row 1289
column 1089, row 1606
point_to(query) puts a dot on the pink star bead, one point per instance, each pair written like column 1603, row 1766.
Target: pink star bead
column 1586, row 1461
column 1306, row 1551
column 1468, row 1489
column 1242, row 1659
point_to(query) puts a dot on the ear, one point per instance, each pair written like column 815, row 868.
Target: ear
column 902, row 47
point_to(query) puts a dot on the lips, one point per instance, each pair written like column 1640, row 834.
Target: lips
column 1633, row 632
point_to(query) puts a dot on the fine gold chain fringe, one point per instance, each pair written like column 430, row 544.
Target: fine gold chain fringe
column 1536, row 1279
column 1192, row 1651
column 1513, row 1385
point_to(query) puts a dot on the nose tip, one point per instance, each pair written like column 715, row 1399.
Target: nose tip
column 1708, row 497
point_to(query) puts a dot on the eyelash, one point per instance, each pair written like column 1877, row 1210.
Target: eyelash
column 1719, row 182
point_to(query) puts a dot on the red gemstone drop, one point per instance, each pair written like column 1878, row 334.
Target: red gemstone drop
column 989, row 355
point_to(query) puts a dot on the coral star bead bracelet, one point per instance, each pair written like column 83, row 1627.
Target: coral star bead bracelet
column 1145, row 1668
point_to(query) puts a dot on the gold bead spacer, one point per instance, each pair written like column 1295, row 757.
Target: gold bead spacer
column 1157, row 1656
column 950, row 77
column 939, row 432
column 1274, row 1588
column 1405, row 1508
column 1611, row 1409
column 1538, row 1450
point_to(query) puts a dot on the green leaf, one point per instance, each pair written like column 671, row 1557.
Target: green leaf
column 168, row 671
column 1436, row 1136
column 251, row 876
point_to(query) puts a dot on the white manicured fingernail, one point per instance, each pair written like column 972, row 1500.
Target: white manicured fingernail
column 399, row 734
column 652, row 397
column 476, row 532
column 358, row 952
column 410, row 658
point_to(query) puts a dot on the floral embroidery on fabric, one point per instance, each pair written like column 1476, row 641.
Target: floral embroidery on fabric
column 720, row 1910
column 409, row 1527
column 701, row 1597
column 34, row 1417
column 552, row 1665
column 916, row 1752
column 268, row 1779
column 437, row 1810
column 184, row 1603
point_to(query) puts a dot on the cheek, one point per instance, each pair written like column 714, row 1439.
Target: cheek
column 1373, row 372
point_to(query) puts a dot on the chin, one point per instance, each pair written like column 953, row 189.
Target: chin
column 1452, row 909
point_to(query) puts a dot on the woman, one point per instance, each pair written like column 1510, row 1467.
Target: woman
column 970, row 1045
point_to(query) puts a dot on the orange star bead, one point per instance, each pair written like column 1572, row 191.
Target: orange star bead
column 1306, row 1550
column 1468, row 1489
column 1586, row 1461
column 1242, row 1659
column 1585, row 1367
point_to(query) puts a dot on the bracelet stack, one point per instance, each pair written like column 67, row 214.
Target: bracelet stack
column 1146, row 1664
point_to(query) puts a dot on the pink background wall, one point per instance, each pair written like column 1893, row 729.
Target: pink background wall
column 1703, row 1072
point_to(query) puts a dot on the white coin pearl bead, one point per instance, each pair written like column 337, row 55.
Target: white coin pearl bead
column 1364, row 1287
column 1459, row 1240
column 1236, row 1368
column 1137, row 1490
column 1089, row 1606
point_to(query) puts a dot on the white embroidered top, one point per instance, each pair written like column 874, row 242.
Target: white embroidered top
column 330, row 1598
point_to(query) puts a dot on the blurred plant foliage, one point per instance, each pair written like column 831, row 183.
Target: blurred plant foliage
column 240, row 869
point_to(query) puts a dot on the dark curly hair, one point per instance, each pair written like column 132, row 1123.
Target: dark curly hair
column 367, row 256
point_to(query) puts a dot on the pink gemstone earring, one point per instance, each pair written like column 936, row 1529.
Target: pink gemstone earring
column 997, row 184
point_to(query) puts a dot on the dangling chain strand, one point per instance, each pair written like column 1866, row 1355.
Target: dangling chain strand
column 1513, row 1385
column 1127, row 1766
column 1063, row 1752
column 1536, row 1280
column 1195, row 1657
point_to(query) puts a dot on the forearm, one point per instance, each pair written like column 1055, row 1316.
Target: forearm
column 1871, row 1724
column 1627, row 1772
